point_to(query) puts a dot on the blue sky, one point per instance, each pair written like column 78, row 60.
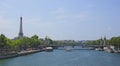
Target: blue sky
column 61, row 19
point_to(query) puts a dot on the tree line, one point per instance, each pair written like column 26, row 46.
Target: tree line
column 8, row 46
column 114, row 41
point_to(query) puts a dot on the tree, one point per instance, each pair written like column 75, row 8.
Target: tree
column 2, row 40
column 35, row 41
column 115, row 41
column 3, row 43
column 35, row 37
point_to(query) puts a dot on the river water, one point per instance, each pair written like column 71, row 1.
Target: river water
column 64, row 58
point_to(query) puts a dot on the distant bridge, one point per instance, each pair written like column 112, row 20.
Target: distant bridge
column 79, row 45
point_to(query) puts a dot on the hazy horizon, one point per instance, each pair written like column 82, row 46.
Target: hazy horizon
column 61, row 19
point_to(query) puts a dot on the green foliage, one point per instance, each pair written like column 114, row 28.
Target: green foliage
column 3, row 41
column 35, row 37
column 20, row 44
column 95, row 42
column 115, row 41
column 4, row 44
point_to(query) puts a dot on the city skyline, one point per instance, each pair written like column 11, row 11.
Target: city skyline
column 61, row 19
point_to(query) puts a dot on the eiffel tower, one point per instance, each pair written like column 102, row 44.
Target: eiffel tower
column 20, row 34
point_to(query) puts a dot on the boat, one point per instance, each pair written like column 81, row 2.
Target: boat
column 68, row 49
column 48, row 49
column 99, row 49
column 110, row 51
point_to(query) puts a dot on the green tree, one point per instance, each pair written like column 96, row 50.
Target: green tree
column 3, row 43
column 115, row 41
column 35, row 41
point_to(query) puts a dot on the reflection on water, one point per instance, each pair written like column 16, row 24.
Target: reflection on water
column 63, row 58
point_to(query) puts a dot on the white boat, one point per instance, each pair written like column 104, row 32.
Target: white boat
column 99, row 49
column 68, row 49
column 48, row 49
column 110, row 51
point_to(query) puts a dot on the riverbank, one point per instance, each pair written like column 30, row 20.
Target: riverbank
column 110, row 49
column 21, row 53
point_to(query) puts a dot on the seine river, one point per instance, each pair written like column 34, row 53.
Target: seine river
column 64, row 58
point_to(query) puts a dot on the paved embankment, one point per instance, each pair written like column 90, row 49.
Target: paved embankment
column 19, row 54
